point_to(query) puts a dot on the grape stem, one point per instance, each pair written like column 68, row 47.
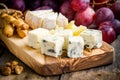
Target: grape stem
column 105, row 2
column 6, row 8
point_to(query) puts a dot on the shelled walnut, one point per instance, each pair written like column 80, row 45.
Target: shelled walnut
column 11, row 68
column 12, row 24
column 8, row 30
column 18, row 69
column 6, row 71
column 12, row 21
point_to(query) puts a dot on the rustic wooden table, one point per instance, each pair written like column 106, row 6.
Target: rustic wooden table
column 106, row 72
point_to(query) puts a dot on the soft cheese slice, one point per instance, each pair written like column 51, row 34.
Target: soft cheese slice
column 52, row 45
column 34, row 37
column 49, row 21
column 92, row 38
column 34, row 18
column 62, row 21
column 75, row 47
column 66, row 34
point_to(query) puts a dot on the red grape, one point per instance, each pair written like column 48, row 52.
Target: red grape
column 43, row 8
column 16, row 4
column 79, row 5
column 108, row 32
column 103, row 14
column 35, row 4
column 50, row 3
column 67, row 11
column 116, row 10
column 85, row 17
column 60, row 2
column 32, row 4
column 116, row 26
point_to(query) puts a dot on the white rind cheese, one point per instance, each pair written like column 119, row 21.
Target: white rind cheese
column 66, row 34
column 92, row 38
column 62, row 21
column 34, row 37
column 39, row 12
column 49, row 22
column 46, row 19
column 75, row 47
column 52, row 45
column 35, row 18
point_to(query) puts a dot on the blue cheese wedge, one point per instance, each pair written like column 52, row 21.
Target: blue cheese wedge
column 92, row 38
column 62, row 21
column 34, row 37
column 75, row 47
column 52, row 45
column 66, row 34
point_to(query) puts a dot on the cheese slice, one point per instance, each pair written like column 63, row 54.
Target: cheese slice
column 71, row 25
column 76, row 29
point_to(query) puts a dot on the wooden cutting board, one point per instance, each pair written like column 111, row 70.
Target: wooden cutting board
column 46, row 65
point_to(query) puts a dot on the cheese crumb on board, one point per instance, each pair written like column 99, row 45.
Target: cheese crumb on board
column 92, row 38
column 34, row 37
column 75, row 47
column 52, row 45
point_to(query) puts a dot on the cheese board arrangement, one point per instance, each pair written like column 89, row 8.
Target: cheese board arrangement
column 46, row 65
column 53, row 49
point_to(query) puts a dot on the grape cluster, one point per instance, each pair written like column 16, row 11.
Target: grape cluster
column 103, row 14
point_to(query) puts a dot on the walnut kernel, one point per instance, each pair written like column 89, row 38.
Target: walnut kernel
column 6, row 71
column 18, row 69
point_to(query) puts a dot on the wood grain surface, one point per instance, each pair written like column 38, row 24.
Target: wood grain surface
column 106, row 72
column 46, row 65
